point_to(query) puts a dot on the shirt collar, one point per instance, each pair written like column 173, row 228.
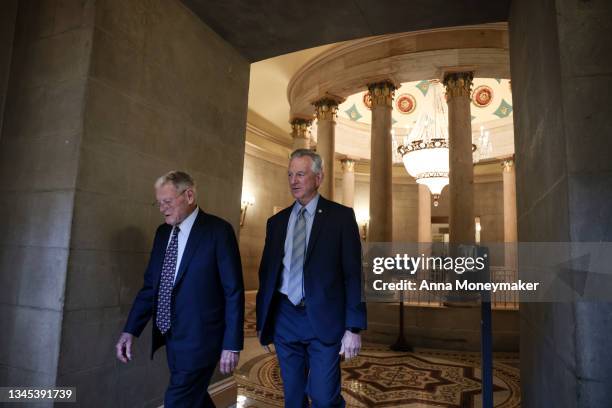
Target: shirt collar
column 187, row 223
column 311, row 207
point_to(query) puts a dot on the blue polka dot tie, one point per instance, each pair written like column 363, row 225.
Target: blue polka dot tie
column 164, row 296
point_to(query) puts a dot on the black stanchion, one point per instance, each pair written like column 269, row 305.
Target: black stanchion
column 486, row 338
column 401, row 344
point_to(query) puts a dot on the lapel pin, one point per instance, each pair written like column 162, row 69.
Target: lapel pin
column 320, row 211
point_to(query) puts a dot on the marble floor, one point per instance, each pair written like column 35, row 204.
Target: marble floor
column 383, row 378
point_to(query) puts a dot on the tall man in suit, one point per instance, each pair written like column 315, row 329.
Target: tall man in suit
column 193, row 291
column 309, row 300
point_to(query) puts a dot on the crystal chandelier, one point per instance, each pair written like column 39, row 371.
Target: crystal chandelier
column 425, row 149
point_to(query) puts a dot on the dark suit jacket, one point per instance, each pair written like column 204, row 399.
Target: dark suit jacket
column 332, row 272
column 207, row 299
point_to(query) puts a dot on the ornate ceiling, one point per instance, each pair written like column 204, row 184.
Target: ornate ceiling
column 285, row 86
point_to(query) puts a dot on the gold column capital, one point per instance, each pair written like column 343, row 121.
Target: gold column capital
column 300, row 128
column 507, row 165
column 458, row 83
column 326, row 108
column 382, row 93
column 348, row 165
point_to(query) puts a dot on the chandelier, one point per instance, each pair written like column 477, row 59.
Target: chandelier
column 425, row 148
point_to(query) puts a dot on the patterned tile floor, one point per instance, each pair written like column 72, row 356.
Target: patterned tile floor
column 383, row 378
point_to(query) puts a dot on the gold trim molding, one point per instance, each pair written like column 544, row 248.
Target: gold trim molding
column 458, row 84
column 300, row 128
column 382, row 93
column 348, row 165
column 326, row 108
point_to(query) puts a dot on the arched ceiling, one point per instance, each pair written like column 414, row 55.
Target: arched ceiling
column 285, row 86
column 268, row 88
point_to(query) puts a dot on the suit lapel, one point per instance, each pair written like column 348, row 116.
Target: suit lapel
column 164, row 237
column 195, row 235
column 282, row 226
column 317, row 225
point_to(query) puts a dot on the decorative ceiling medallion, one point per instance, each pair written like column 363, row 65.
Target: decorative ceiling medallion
column 353, row 113
column 405, row 104
column 423, row 86
column 482, row 96
column 367, row 100
column 503, row 110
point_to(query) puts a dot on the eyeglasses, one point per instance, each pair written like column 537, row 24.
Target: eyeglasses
column 166, row 202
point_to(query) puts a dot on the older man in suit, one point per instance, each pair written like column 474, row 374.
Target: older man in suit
column 193, row 291
column 309, row 299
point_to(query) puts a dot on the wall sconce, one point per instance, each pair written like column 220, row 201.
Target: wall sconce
column 246, row 201
column 363, row 219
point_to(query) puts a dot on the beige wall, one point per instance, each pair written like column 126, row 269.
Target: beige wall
column 488, row 205
column 267, row 182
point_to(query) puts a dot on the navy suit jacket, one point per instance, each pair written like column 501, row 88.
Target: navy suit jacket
column 207, row 300
column 332, row 272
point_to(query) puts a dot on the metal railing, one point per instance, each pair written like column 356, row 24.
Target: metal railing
column 500, row 299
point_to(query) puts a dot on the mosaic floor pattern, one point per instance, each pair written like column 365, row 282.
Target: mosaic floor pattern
column 382, row 378
column 250, row 317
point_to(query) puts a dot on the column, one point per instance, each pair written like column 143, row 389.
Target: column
column 424, row 226
column 300, row 131
column 348, row 182
column 461, row 168
column 509, row 180
column 325, row 110
column 381, row 162
column 510, row 222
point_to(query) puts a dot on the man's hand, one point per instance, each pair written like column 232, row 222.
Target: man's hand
column 265, row 347
column 124, row 347
column 351, row 345
column 229, row 361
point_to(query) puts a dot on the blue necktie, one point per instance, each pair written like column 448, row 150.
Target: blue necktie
column 167, row 283
column 295, row 287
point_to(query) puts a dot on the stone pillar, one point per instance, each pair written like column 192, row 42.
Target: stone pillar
column 348, row 182
column 424, row 226
column 559, row 53
column 510, row 230
column 326, row 110
column 509, row 180
column 381, row 162
column 461, row 168
column 300, row 131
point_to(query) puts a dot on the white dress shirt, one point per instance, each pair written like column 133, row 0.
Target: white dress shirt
column 183, row 236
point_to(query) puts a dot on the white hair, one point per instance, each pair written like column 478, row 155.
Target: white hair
column 179, row 179
column 317, row 161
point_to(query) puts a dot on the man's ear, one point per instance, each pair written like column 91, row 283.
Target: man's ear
column 320, row 177
column 190, row 196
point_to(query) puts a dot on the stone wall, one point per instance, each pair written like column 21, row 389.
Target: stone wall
column 8, row 18
column 561, row 75
column 39, row 155
column 105, row 96
column 489, row 206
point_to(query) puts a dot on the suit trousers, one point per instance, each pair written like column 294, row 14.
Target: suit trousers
column 309, row 367
column 187, row 388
